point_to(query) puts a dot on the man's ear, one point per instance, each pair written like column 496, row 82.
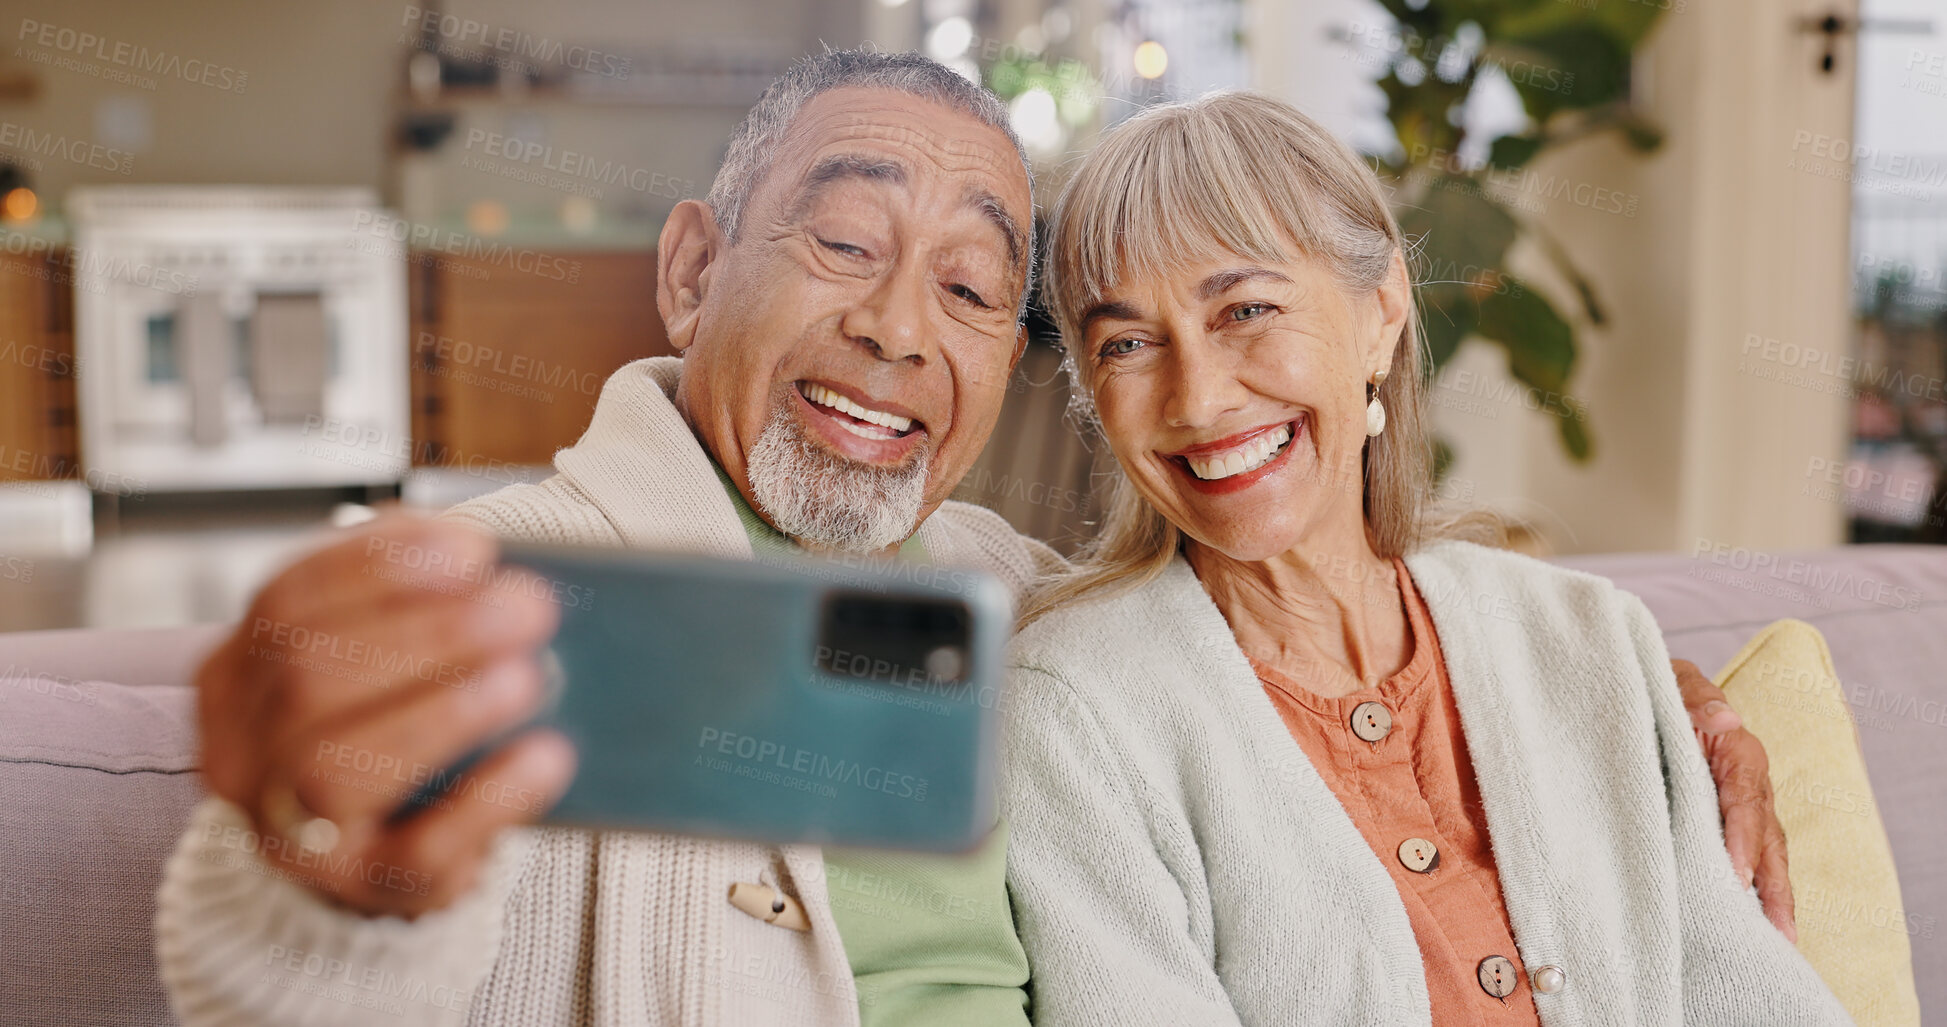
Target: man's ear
column 1395, row 302
column 686, row 254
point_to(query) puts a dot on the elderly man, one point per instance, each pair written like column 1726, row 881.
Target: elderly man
column 848, row 306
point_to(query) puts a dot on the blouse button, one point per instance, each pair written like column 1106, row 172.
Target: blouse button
column 1497, row 976
column 1549, row 979
column 1418, row 855
column 1371, row 721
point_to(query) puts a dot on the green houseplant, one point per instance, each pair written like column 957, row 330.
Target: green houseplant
column 1568, row 61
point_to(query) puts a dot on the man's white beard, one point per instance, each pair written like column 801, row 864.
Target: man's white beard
column 822, row 499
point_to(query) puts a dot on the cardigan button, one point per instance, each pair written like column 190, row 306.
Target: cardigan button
column 1497, row 976
column 769, row 905
column 1418, row 855
column 1549, row 980
column 1372, row 721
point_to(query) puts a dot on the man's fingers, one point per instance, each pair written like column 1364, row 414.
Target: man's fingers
column 1742, row 774
column 237, row 682
column 364, row 767
column 1774, row 885
column 1744, row 830
column 1710, row 711
column 229, row 723
column 449, row 840
column 334, row 670
column 369, row 561
column 358, row 676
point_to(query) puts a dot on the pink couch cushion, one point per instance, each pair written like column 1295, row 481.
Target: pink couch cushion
column 97, row 780
column 1883, row 612
column 127, row 656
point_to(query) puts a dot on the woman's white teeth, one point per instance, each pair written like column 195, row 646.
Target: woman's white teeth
column 1248, row 457
column 825, row 397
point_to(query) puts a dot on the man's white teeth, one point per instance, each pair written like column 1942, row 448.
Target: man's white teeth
column 825, row 397
column 1249, row 457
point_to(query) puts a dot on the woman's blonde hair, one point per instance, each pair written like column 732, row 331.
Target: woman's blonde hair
column 1244, row 174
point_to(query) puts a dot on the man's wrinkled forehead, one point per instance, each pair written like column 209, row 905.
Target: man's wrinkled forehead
column 971, row 151
column 915, row 133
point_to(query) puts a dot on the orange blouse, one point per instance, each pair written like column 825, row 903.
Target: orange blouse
column 1401, row 771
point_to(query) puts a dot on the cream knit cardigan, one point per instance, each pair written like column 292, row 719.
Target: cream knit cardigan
column 1175, row 858
column 567, row 927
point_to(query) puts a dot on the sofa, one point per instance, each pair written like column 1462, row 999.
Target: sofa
column 98, row 745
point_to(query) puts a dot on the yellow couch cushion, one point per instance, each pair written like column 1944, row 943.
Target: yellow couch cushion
column 1851, row 925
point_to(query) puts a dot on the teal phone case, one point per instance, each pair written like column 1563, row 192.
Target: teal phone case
column 849, row 702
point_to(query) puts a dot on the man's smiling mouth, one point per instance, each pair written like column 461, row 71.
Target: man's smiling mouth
column 855, row 417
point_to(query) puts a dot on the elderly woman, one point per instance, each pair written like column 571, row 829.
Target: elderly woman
column 1284, row 749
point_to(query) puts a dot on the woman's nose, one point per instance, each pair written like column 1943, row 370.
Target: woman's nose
column 1204, row 387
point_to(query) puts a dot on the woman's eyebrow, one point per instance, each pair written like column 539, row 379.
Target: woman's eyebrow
column 1223, row 281
column 1110, row 310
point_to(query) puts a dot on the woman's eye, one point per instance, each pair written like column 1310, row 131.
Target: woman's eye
column 1247, row 311
column 969, row 295
column 1121, row 347
column 842, row 247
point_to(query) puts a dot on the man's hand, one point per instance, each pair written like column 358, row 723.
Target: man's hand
column 359, row 675
column 1737, row 761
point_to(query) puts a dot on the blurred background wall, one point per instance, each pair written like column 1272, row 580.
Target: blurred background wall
column 1682, row 261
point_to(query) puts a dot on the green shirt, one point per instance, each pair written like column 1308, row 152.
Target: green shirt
column 930, row 938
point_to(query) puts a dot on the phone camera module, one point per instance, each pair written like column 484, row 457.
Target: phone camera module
column 947, row 663
column 904, row 641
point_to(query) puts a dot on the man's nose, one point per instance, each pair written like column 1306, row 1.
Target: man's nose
column 1204, row 387
column 891, row 321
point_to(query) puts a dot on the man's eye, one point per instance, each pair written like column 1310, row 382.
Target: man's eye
column 842, row 247
column 969, row 295
column 1122, row 347
column 1247, row 311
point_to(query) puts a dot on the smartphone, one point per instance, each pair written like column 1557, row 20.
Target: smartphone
column 842, row 701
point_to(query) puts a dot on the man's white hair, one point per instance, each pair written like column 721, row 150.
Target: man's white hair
column 754, row 145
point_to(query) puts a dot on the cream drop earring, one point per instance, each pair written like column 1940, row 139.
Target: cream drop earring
column 1375, row 410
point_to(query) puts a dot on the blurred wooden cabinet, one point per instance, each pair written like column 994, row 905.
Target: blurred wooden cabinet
column 509, row 355
column 38, row 428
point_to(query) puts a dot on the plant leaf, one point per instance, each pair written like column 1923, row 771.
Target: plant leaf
column 1463, row 234
column 1642, row 133
column 1529, row 18
column 1558, row 255
column 1540, row 344
column 1448, row 314
column 1630, row 23
column 1577, row 66
column 1511, row 152
column 1575, row 438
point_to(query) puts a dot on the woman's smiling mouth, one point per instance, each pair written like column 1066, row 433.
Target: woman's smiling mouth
column 1236, row 461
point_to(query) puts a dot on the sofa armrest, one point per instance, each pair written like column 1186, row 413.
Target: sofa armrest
column 127, row 656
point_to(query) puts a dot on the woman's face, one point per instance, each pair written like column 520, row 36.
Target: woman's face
column 1234, row 395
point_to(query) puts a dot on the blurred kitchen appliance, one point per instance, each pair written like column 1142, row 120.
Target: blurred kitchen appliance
column 238, row 337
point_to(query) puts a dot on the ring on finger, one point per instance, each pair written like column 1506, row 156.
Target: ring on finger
column 290, row 818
